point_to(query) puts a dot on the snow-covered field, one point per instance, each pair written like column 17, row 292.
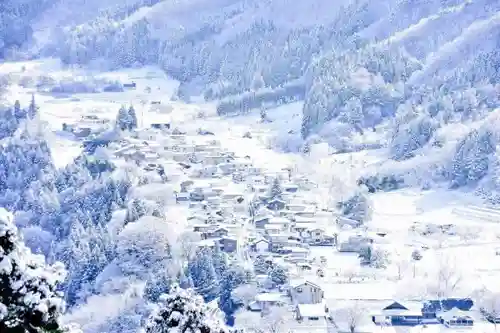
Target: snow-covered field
column 468, row 247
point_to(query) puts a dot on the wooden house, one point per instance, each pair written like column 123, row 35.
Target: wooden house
column 305, row 292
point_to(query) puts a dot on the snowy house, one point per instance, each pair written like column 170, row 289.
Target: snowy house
column 261, row 220
column 182, row 197
column 431, row 308
column 290, row 188
column 295, row 207
column 272, row 229
column 215, row 233
column 264, row 302
column 208, row 171
column 307, row 214
column 315, row 313
column 229, row 244
column 282, row 222
column 353, row 243
column 456, row 318
column 226, row 168
column 180, row 156
column 260, row 246
column 204, row 228
column 297, row 252
column 397, row 314
column 305, row 292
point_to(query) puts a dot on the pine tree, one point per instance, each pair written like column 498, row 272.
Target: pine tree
column 122, row 119
column 132, row 124
column 183, row 311
column 278, row 275
column 18, row 112
column 29, row 300
column 276, row 191
column 33, row 108
column 203, row 274
column 263, row 115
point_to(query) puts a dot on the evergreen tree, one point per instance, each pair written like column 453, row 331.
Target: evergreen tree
column 19, row 113
column 276, row 191
column 219, row 260
column 263, row 115
column 122, row 119
column 132, row 118
column 278, row 275
column 33, row 108
column 29, row 300
column 203, row 274
column 183, row 311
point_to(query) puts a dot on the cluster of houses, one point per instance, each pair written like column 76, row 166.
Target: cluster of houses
column 232, row 206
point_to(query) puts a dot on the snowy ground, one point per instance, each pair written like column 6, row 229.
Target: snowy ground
column 470, row 249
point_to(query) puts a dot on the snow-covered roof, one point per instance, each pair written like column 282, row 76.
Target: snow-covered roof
column 302, row 219
column 279, row 220
column 296, row 249
column 453, row 313
column 299, row 282
column 268, row 297
column 272, row 227
column 261, row 217
column 311, row 310
column 208, row 242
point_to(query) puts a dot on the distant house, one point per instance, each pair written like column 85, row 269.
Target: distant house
column 263, row 302
column 430, row 308
column 129, row 85
column 455, row 318
column 397, row 314
column 261, row 221
column 229, row 244
column 353, row 243
column 273, row 229
column 305, row 292
column 290, row 188
column 315, row 313
column 204, row 228
column 160, row 125
column 260, row 246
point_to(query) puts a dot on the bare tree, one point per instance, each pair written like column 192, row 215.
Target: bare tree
column 351, row 316
column 489, row 304
column 446, row 279
column 351, row 274
column 401, row 264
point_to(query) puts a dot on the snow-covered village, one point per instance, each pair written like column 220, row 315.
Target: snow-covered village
column 228, row 173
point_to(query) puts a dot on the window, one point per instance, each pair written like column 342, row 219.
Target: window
column 299, row 290
column 313, row 318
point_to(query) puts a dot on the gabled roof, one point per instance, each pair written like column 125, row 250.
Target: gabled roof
column 395, row 306
column 454, row 313
column 297, row 283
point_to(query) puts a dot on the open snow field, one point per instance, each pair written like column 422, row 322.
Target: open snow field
column 468, row 246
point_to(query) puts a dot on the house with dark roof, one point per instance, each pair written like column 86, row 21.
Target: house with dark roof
column 397, row 314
